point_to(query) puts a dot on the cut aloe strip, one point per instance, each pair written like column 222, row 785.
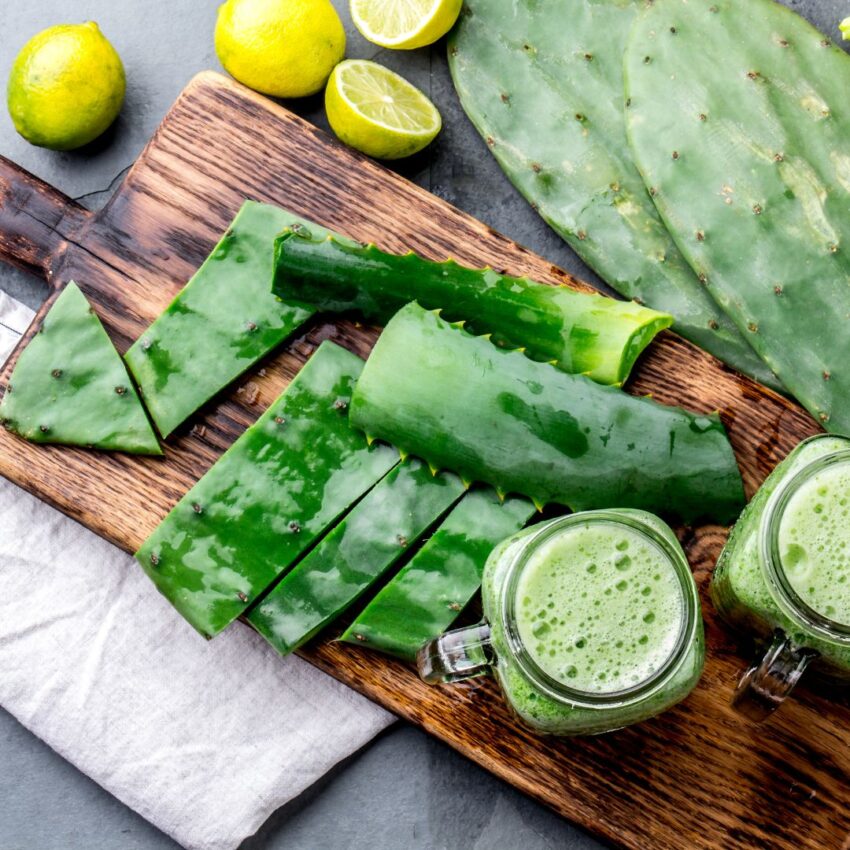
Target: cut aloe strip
column 70, row 386
column 490, row 415
column 372, row 538
column 286, row 480
column 581, row 332
column 221, row 323
column 429, row 592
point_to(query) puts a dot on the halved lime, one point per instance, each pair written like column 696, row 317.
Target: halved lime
column 404, row 24
column 378, row 112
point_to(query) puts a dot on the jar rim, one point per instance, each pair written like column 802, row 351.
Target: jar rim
column 557, row 690
column 784, row 595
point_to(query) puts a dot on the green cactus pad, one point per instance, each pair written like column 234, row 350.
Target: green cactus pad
column 496, row 416
column 70, row 386
column 429, row 592
column 739, row 120
column 543, row 85
column 366, row 544
column 220, row 324
column 268, row 498
column 582, row 333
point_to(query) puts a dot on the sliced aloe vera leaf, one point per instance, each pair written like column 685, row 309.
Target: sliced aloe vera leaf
column 495, row 416
column 269, row 497
column 220, row 324
column 423, row 599
column 582, row 332
column 70, row 386
column 366, row 544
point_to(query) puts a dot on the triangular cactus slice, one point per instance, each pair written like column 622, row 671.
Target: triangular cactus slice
column 543, row 84
column 70, row 385
column 738, row 119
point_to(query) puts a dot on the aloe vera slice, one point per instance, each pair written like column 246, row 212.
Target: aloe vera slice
column 429, row 592
column 268, row 498
column 220, row 324
column 70, row 386
column 364, row 546
column 496, row 416
column 582, row 333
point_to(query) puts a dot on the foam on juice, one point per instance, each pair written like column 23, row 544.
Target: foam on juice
column 814, row 542
column 599, row 608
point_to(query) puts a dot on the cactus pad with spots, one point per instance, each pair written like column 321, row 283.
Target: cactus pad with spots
column 739, row 119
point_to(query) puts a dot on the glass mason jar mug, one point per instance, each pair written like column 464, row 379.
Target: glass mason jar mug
column 784, row 574
column 591, row 622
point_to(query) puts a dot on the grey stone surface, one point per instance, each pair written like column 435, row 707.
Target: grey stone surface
column 405, row 790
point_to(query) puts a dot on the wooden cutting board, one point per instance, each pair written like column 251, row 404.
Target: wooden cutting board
column 697, row 777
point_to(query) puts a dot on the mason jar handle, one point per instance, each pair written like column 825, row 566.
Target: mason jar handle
column 764, row 686
column 456, row 655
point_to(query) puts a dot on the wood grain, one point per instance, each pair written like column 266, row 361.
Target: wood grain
column 696, row 777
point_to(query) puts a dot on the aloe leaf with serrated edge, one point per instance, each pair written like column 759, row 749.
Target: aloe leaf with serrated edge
column 584, row 333
column 495, row 416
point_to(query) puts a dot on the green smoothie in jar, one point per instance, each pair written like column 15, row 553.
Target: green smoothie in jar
column 592, row 623
column 784, row 574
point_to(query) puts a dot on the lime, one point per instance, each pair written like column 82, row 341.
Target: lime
column 66, row 86
column 404, row 24
column 844, row 26
column 284, row 48
column 378, row 112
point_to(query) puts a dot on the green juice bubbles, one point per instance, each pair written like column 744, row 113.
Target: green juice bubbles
column 592, row 622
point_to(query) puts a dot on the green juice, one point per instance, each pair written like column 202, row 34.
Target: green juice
column 812, row 546
column 595, row 624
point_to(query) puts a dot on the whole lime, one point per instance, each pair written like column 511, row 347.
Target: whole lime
column 66, row 86
column 284, row 48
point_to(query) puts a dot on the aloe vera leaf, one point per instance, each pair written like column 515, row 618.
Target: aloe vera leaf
column 70, row 386
column 739, row 120
column 460, row 403
column 268, row 498
column 220, row 324
column 543, row 84
column 583, row 333
column 372, row 538
column 423, row 599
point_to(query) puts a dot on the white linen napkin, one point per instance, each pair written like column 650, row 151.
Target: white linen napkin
column 204, row 740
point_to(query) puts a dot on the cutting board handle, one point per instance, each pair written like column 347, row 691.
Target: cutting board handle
column 36, row 221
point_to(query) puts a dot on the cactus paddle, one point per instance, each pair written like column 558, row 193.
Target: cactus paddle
column 70, row 386
column 355, row 554
column 221, row 323
column 543, row 84
column 739, row 120
column 428, row 593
